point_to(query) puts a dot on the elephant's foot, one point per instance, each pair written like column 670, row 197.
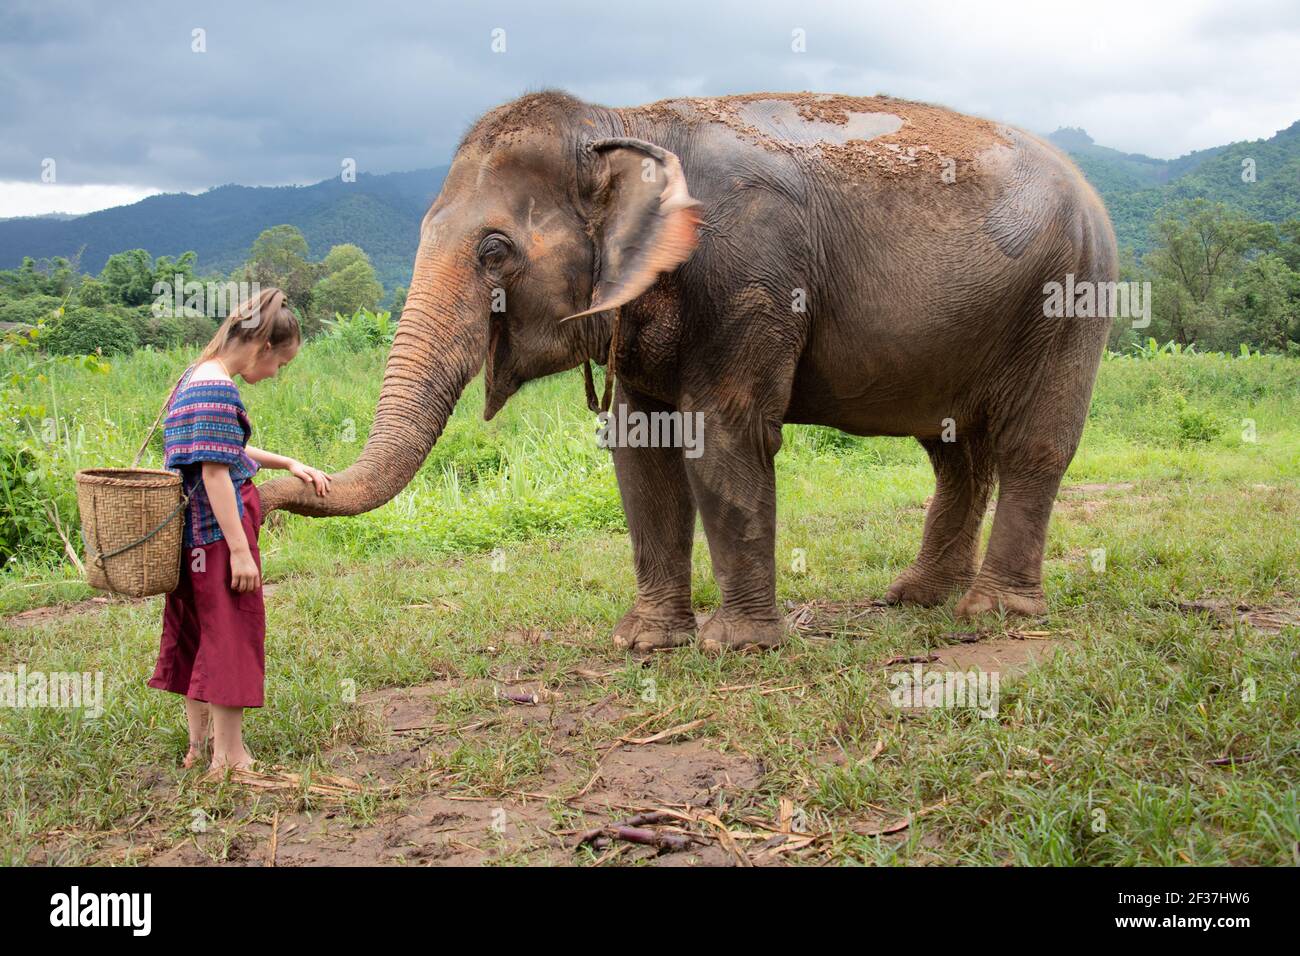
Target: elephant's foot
column 643, row 630
column 727, row 632
column 983, row 599
column 926, row 587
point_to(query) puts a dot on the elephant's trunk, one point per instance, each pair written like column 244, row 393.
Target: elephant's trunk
column 440, row 344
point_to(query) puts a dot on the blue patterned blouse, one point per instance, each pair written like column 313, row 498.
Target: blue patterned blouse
column 206, row 421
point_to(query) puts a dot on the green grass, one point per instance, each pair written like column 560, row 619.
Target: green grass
column 1136, row 701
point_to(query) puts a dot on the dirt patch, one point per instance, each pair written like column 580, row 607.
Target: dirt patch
column 1008, row 654
column 925, row 136
column 404, row 709
column 876, row 135
column 691, row 773
column 440, row 827
column 530, row 113
column 533, row 827
column 1098, row 488
column 1084, row 502
column 400, row 801
column 432, row 830
column 1270, row 619
column 1076, row 501
column 55, row 613
column 825, row 620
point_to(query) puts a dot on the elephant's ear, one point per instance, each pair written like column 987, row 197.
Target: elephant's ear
column 646, row 220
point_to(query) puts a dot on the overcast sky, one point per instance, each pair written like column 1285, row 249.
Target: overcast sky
column 116, row 96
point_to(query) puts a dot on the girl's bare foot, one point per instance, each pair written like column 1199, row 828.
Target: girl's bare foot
column 229, row 752
column 242, row 761
column 198, row 715
column 196, row 753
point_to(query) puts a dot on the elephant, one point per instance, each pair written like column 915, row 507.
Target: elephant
column 870, row 264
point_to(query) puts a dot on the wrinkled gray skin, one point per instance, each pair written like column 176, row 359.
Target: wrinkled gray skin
column 919, row 241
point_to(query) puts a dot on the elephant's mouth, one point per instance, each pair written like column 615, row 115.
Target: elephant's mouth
column 501, row 379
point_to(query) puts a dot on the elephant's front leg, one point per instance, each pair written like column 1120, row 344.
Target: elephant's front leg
column 661, row 520
column 734, row 484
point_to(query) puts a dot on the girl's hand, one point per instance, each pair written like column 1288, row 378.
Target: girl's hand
column 243, row 572
column 313, row 476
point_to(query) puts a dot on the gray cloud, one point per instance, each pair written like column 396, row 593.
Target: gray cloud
column 286, row 91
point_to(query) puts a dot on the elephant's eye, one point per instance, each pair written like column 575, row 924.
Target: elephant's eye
column 492, row 251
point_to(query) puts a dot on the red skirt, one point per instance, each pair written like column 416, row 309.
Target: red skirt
column 214, row 639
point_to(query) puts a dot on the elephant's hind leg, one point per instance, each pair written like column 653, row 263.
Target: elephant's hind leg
column 947, row 562
column 661, row 521
column 1011, row 577
column 1033, row 448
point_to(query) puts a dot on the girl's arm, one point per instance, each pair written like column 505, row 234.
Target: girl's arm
column 313, row 476
column 267, row 459
column 221, row 494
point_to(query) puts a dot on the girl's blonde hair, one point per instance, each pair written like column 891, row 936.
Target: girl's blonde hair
column 265, row 319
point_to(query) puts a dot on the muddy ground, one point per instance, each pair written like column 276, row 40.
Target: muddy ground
column 686, row 798
column 387, row 804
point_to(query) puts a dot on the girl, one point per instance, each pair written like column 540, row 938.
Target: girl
column 214, row 623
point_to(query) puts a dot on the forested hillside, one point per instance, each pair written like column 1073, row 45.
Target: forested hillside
column 381, row 214
column 1258, row 179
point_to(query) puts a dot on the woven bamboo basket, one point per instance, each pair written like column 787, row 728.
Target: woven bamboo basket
column 131, row 524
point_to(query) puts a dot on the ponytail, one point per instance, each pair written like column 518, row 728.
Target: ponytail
column 265, row 319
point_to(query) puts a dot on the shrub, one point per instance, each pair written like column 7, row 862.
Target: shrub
column 1197, row 425
column 466, row 449
column 172, row 331
column 25, row 525
column 30, row 310
column 83, row 331
column 197, row 329
column 362, row 330
column 164, row 333
column 35, row 476
column 92, row 293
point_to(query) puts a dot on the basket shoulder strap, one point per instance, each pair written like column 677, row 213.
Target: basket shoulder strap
column 161, row 412
column 99, row 557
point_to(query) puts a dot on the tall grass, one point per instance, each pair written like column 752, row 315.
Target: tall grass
column 536, row 471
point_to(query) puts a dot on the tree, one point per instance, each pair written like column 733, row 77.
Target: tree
column 92, row 293
column 54, row 277
column 166, row 269
column 341, row 256
column 279, row 258
column 1267, row 303
column 60, row 276
column 349, row 283
column 1122, row 333
column 129, row 278
column 399, row 300
column 27, row 281
column 1288, row 246
column 1199, row 249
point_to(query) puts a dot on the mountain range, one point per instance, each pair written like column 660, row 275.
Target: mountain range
column 1260, row 178
column 382, row 213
